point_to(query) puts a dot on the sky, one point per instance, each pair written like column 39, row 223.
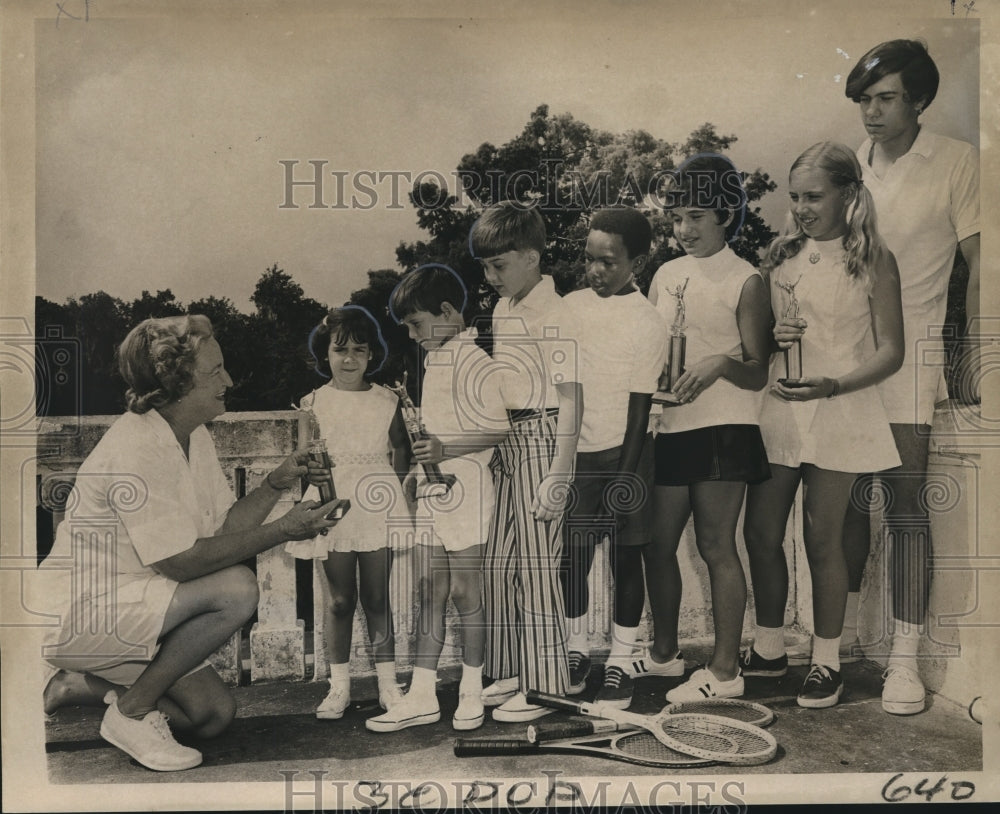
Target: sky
column 159, row 135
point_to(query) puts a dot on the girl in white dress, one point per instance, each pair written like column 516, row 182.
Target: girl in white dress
column 824, row 428
column 368, row 445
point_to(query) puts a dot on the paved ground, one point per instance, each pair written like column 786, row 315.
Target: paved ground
column 276, row 731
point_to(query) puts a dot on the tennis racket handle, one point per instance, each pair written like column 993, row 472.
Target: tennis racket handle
column 539, row 733
column 553, row 701
column 479, row 747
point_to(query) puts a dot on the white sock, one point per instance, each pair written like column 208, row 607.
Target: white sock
column 905, row 642
column 850, row 631
column 576, row 629
column 826, row 652
column 622, row 645
column 385, row 672
column 472, row 680
column 769, row 642
column 340, row 674
column 423, row 682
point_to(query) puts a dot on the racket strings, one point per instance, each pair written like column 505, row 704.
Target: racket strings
column 644, row 746
column 745, row 711
column 722, row 739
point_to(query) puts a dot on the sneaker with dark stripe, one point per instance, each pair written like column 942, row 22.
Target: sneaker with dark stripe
column 617, row 688
column 646, row 666
column 579, row 670
column 703, row 684
column 821, row 688
column 755, row 665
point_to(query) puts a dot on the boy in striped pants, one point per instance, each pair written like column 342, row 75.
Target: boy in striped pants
column 525, row 615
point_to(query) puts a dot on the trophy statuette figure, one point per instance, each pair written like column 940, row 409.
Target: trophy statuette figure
column 435, row 481
column 793, row 354
column 310, row 437
column 676, row 351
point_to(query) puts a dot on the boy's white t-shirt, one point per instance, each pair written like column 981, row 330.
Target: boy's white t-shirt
column 927, row 201
column 623, row 347
column 535, row 344
column 461, row 392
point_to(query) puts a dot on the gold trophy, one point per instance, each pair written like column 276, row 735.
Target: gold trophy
column 435, row 481
column 677, row 348
column 793, row 355
column 310, row 437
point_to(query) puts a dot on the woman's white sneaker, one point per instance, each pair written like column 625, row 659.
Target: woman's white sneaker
column 148, row 740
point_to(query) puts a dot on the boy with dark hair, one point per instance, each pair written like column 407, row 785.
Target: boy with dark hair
column 623, row 347
column 461, row 409
column 926, row 193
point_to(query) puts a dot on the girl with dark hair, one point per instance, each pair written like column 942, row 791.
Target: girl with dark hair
column 363, row 427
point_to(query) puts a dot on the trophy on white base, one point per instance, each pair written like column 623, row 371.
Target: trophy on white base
column 435, row 481
column 793, row 354
column 311, row 438
column 676, row 350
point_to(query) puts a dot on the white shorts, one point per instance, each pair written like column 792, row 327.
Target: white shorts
column 114, row 638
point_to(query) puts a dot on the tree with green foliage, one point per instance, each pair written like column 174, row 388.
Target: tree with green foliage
column 567, row 169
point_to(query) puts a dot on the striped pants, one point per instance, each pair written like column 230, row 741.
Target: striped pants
column 525, row 615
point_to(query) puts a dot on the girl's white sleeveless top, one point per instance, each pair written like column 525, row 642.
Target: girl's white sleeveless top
column 850, row 432
column 711, row 297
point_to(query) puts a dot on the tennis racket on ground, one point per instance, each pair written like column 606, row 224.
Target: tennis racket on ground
column 636, row 746
column 732, row 708
column 706, row 736
column 736, row 709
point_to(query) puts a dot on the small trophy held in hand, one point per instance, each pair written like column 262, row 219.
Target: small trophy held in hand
column 435, row 481
column 676, row 349
column 793, row 355
column 310, row 437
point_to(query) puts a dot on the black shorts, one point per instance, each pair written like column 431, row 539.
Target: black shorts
column 728, row 452
column 599, row 493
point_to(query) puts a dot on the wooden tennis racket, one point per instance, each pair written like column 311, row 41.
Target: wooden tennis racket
column 636, row 746
column 733, row 708
column 706, row 736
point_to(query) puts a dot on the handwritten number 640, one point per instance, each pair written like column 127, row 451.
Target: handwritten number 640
column 893, row 793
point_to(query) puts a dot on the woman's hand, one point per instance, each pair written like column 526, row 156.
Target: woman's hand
column 818, row 387
column 288, row 473
column 306, row 519
column 428, row 450
column 789, row 331
column 698, row 378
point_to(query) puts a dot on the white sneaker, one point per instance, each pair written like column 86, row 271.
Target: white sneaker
column 470, row 712
column 703, row 684
column 389, row 696
column 500, row 691
column 645, row 665
column 337, row 700
column 902, row 692
column 148, row 740
column 410, row 711
column 518, row 709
